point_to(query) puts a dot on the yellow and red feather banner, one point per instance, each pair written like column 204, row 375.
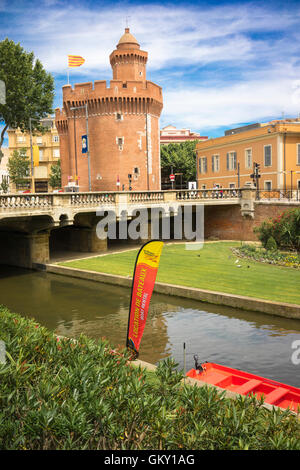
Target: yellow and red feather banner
column 75, row 60
column 36, row 155
column 145, row 271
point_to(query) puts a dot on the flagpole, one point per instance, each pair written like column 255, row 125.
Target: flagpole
column 74, row 61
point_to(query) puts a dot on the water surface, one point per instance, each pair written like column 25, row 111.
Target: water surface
column 251, row 341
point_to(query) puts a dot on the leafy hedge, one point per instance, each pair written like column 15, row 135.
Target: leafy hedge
column 82, row 395
column 284, row 229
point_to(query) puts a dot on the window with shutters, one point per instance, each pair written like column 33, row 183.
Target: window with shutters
column 268, row 155
column 231, row 161
column 202, row 165
column 215, row 163
column 248, row 158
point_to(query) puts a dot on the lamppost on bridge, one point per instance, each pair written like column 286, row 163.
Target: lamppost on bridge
column 291, row 172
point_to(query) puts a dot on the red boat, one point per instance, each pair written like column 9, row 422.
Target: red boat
column 243, row 383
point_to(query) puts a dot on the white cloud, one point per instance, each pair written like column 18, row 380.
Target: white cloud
column 188, row 39
column 199, row 108
column 171, row 35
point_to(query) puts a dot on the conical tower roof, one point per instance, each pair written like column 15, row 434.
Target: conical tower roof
column 128, row 41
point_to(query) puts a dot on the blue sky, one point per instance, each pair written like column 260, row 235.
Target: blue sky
column 221, row 64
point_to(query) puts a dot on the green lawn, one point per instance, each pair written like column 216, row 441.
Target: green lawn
column 212, row 268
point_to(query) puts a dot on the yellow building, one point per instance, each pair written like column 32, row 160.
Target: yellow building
column 48, row 144
column 227, row 162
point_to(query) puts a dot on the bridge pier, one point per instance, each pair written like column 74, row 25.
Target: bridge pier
column 25, row 250
column 85, row 239
column 76, row 238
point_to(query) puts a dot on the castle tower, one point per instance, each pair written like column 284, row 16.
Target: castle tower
column 123, row 126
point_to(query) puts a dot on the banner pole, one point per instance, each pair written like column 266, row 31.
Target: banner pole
column 141, row 292
column 184, row 360
column 136, row 260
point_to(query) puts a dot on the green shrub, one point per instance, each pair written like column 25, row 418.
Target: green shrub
column 285, row 229
column 83, row 395
column 271, row 244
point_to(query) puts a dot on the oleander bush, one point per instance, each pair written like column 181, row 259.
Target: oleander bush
column 65, row 394
column 284, row 229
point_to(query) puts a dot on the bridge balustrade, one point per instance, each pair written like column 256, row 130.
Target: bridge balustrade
column 92, row 199
column 278, row 194
column 230, row 193
column 25, row 200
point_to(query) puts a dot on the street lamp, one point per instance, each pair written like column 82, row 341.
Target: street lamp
column 291, row 173
column 88, row 143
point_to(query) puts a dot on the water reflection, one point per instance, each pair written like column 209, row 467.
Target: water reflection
column 251, row 341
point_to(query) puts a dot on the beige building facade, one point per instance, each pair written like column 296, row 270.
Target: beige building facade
column 172, row 135
column 49, row 153
column 228, row 161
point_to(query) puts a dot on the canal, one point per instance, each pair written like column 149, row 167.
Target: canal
column 257, row 343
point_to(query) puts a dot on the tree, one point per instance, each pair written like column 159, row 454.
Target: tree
column 29, row 89
column 181, row 158
column 4, row 186
column 18, row 166
column 55, row 175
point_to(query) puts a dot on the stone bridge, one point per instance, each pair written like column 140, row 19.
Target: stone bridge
column 34, row 225
column 65, row 206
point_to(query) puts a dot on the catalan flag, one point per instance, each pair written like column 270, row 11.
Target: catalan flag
column 75, row 60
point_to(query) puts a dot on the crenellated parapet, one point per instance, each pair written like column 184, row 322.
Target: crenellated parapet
column 61, row 121
column 132, row 97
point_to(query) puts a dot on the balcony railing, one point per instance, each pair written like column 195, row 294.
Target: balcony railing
column 278, row 194
column 227, row 193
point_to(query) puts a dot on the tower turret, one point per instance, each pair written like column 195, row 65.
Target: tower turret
column 128, row 62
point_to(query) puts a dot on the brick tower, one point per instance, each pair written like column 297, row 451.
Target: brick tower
column 123, row 126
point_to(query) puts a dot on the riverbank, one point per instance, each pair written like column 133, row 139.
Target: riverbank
column 212, row 268
column 217, row 298
column 76, row 395
column 213, row 274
